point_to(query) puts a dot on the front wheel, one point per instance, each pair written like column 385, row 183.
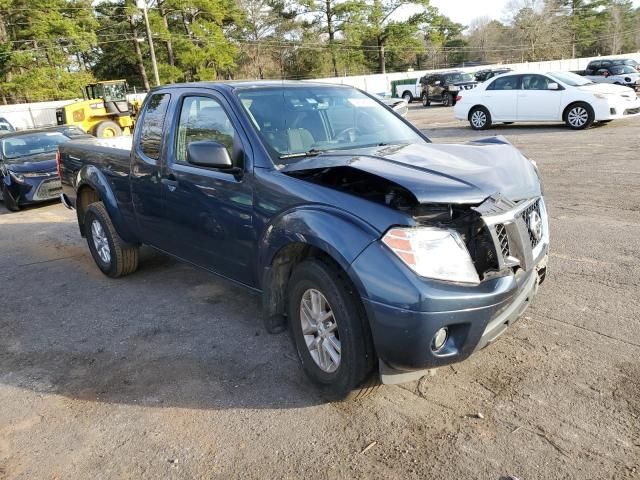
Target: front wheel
column 114, row 257
column 330, row 331
column 425, row 100
column 479, row 118
column 579, row 116
column 8, row 200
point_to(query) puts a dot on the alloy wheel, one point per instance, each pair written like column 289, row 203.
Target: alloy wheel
column 320, row 330
column 478, row 119
column 578, row 116
column 100, row 241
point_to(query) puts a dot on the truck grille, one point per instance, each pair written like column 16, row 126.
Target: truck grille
column 511, row 224
column 503, row 240
column 526, row 216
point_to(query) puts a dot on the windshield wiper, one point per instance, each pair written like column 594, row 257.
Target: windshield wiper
column 309, row 153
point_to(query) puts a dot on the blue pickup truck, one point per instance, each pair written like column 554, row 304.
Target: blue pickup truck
column 382, row 253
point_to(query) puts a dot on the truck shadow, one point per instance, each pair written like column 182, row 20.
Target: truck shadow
column 168, row 335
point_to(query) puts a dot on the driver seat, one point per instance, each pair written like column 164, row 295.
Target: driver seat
column 300, row 139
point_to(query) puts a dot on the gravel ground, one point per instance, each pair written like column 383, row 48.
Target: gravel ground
column 168, row 373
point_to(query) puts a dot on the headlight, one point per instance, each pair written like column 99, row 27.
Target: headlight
column 433, row 253
column 18, row 177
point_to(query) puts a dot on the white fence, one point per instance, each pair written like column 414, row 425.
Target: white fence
column 381, row 83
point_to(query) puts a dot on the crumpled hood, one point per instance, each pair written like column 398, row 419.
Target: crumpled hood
column 441, row 173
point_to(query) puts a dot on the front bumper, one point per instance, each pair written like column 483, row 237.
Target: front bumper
column 618, row 108
column 38, row 189
column 403, row 337
column 405, row 311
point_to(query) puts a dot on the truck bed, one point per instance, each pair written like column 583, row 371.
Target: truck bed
column 110, row 156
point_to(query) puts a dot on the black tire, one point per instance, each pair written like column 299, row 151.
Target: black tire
column 8, row 200
column 425, row 100
column 479, row 118
column 579, row 116
column 356, row 375
column 407, row 97
column 108, row 129
column 123, row 258
column 447, row 99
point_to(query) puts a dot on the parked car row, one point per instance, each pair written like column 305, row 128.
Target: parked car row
column 545, row 97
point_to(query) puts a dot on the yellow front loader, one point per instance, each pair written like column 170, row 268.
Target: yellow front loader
column 104, row 112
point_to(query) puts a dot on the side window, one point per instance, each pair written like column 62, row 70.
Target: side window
column 504, row 83
column 602, row 72
column 151, row 128
column 535, row 82
column 203, row 118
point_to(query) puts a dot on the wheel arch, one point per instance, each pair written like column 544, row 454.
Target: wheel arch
column 477, row 105
column 404, row 92
column 572, row 104
column 334, row 236
column 92, row 186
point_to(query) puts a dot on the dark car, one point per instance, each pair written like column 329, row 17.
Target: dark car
column 5, row 126
column 384, row 254
column 444, row 87
column 484, row 75
column 28, row 164
column 596, row 65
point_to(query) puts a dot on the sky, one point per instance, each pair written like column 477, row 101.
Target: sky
column 463, row 11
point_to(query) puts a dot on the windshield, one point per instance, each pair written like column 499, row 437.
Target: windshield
column 570, row 79
column 622, row 70
column 18, row 149
column 300, row 121
column 459, row 77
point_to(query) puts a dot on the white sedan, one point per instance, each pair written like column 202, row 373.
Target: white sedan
column 545, row 97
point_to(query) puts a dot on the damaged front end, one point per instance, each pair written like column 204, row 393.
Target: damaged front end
column 465, row 220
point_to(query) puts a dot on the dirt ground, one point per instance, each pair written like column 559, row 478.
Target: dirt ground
column 168, row 373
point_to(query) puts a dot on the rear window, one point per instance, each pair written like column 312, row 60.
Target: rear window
column 151, row 128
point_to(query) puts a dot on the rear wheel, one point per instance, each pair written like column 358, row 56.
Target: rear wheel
column 407, row 97
column 113, row 256
column 579, row 116
column 447, row 99
column 108, row 129
column 330, row 331
column 8, row 200
column 479, row 118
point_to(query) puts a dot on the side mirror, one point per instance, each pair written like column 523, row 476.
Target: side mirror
column 206, row 153
column 553, row 86
column 437, row 82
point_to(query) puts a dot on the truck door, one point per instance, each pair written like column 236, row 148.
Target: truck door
column 146, row 189
column 209, row 212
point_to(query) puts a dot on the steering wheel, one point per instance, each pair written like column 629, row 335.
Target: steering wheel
column 351, row 132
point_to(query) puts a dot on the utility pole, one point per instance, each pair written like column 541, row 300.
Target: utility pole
column 142, row 4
